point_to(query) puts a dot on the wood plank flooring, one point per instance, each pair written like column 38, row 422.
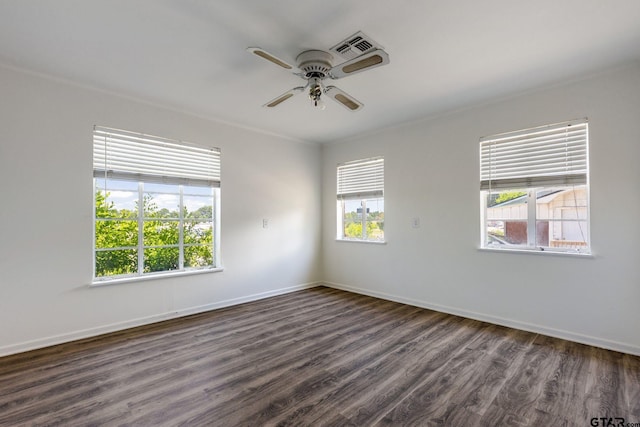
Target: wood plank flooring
column 319, row 357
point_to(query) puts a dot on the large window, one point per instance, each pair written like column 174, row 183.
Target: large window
column 534, row 189
column 156, row 205
column 361, row 200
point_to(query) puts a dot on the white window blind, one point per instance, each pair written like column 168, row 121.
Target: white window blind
column 361, row 179
column 119, row 154
column 543, row 156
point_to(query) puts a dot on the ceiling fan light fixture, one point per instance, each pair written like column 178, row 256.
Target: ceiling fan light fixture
column 315, row 92
column 319, row 104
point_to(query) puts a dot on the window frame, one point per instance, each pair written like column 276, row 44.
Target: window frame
column 181, row 181
column 362, row 181
column 575, row 179
column 533, row 219
column 364, row 237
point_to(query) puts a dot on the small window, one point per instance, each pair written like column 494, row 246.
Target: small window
column 534, row 189
column 361, row 200
column 156, row 205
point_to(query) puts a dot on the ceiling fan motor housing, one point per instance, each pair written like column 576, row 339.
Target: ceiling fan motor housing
column 315, row 63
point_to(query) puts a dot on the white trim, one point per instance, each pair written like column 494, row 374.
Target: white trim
column 374, row 242
column 140, row 247
column 114, row 327
column 538, row 251
column 152, row 276
column 529, row 327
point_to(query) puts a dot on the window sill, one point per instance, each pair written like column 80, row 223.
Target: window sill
column 545, row 252
column 369, row 242
column 152, row 276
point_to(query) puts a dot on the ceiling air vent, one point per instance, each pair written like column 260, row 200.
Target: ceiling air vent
column 354, row 46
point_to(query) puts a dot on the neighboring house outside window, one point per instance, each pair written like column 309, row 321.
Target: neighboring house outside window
column 535, row 190
column 156, row 205
column 360, row 204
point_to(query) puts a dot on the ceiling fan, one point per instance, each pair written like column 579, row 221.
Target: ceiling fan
column 355, row 54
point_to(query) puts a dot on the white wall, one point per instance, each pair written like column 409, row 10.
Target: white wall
column 432, row 172
column 46, row 215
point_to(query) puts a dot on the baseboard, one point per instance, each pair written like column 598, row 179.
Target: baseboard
column 556, row 333
column 114, row 327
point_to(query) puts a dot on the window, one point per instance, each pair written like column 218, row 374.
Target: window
column 156, row 205
column 361, row 200
column 534, row 189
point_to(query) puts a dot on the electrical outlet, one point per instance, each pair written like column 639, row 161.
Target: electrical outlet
column 265, row 223
column 415, row 222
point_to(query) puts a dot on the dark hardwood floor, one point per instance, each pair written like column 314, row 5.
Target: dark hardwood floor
column 319, row 357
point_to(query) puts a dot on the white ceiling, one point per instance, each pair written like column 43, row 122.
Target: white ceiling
column 190, row 54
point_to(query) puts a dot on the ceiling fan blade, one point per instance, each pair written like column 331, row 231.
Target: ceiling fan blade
column 365, row 62
column 270, row 57
column 343, row 98
column 280, row 99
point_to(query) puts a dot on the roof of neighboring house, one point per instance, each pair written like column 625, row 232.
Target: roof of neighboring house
column 523, row 199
